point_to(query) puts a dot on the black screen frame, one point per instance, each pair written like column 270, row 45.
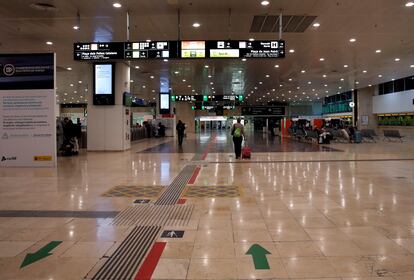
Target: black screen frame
column 165, row 111
column 104, row 99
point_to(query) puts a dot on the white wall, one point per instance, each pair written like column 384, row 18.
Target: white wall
column 398, row 102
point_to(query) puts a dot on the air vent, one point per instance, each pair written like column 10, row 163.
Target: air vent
column 44, row 7
column 290, row 23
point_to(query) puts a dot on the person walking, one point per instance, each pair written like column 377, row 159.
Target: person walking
column 180, row 131
column 237, row 132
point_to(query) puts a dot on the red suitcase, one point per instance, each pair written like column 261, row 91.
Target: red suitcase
column 246, row 152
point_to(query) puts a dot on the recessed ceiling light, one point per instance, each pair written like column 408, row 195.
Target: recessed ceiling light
column 379, row 76
column 76, row 27
column 251, row 39
column 206, row 66
column 71, row 85
column 165, row 60
column 325, row 85
column 409, row 4
column 290, row 79
column 243, row 59
column 189, row 86
column 240, row 71
column 370, row 85
column 184, row 80
column 144, row 86
column 412, row 65
column 131, row 81
column 309, row 82
column 364, row 71
column 117, row 5
column 196, row 24
column 346, row 66
column 152, row 77
column 291, row 50
column 211, row 83
column 69, row 68
column 397, row 59
column 303, row 71
column 378, row 51
column 277, row 66
column 357, row 83
column 148, row 40
column 265, row 3
column 80, row 82
column 260, row 83
column 321, row 59
column 209, row 76
column 342, row 79
column 137, row 67
column 324, row 76
column 267, row 76
column 49, row 43
column 316, row 24
column 352, row 40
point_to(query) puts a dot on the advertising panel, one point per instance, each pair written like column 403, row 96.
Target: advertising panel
column 27, row 110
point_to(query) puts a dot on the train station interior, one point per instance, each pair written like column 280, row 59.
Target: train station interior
column 220, row 139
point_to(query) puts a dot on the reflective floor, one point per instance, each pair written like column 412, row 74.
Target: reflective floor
column 293, row 211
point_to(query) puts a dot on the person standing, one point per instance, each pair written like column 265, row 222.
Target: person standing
column 237, row 132
column 180, row 131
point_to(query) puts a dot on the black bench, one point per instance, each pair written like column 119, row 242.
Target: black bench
column 390, row 135
column 369, row 135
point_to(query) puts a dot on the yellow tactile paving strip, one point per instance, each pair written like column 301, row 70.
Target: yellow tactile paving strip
column 134, row 191
column 212, row 191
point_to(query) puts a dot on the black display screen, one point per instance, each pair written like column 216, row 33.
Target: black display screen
column 104, row 84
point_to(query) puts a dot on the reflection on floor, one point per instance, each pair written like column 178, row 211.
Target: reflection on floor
column 293, row 211
column 222, row 143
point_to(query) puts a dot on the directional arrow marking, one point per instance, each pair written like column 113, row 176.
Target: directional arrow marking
column 40, row 254
column 259, row 256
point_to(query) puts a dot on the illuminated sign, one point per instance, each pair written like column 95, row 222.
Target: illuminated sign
column 179, row 49
column 216, row 53
column 193, row 49
column 190, row 98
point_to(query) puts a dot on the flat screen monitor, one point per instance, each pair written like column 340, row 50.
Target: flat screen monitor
column 104, row 84
column 164, row 103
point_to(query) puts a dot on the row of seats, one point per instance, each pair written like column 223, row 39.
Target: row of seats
column 368, row 135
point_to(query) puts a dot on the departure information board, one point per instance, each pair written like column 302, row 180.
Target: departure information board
column 177, row 98
column 179, row 50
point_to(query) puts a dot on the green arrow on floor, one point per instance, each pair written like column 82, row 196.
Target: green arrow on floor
column 40, row 254
column 259, row 256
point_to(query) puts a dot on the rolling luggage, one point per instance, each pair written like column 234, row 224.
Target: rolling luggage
column 357, row 137
column 246, row 152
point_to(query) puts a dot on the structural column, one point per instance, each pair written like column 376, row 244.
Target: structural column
column 109, row 125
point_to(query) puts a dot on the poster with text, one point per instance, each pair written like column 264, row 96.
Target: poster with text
column 27, row 110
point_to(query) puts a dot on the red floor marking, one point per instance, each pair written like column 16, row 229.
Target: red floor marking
column 151, row 261
column 195, row 175
column 181, row 201
column 213, row 137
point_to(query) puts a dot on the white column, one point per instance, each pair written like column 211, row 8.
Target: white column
column 109, row 126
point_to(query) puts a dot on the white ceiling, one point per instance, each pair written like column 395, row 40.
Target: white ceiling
column 375, row 24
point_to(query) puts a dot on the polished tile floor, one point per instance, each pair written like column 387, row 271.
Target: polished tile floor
column 341, row 213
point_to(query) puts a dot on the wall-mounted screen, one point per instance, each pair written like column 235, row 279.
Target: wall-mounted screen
column 164, row 103
column 104, row 84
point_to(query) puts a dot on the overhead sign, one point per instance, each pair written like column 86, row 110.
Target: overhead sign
column 179, row 50
column 263, row 111
column 186, row 98
column 27, row 110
